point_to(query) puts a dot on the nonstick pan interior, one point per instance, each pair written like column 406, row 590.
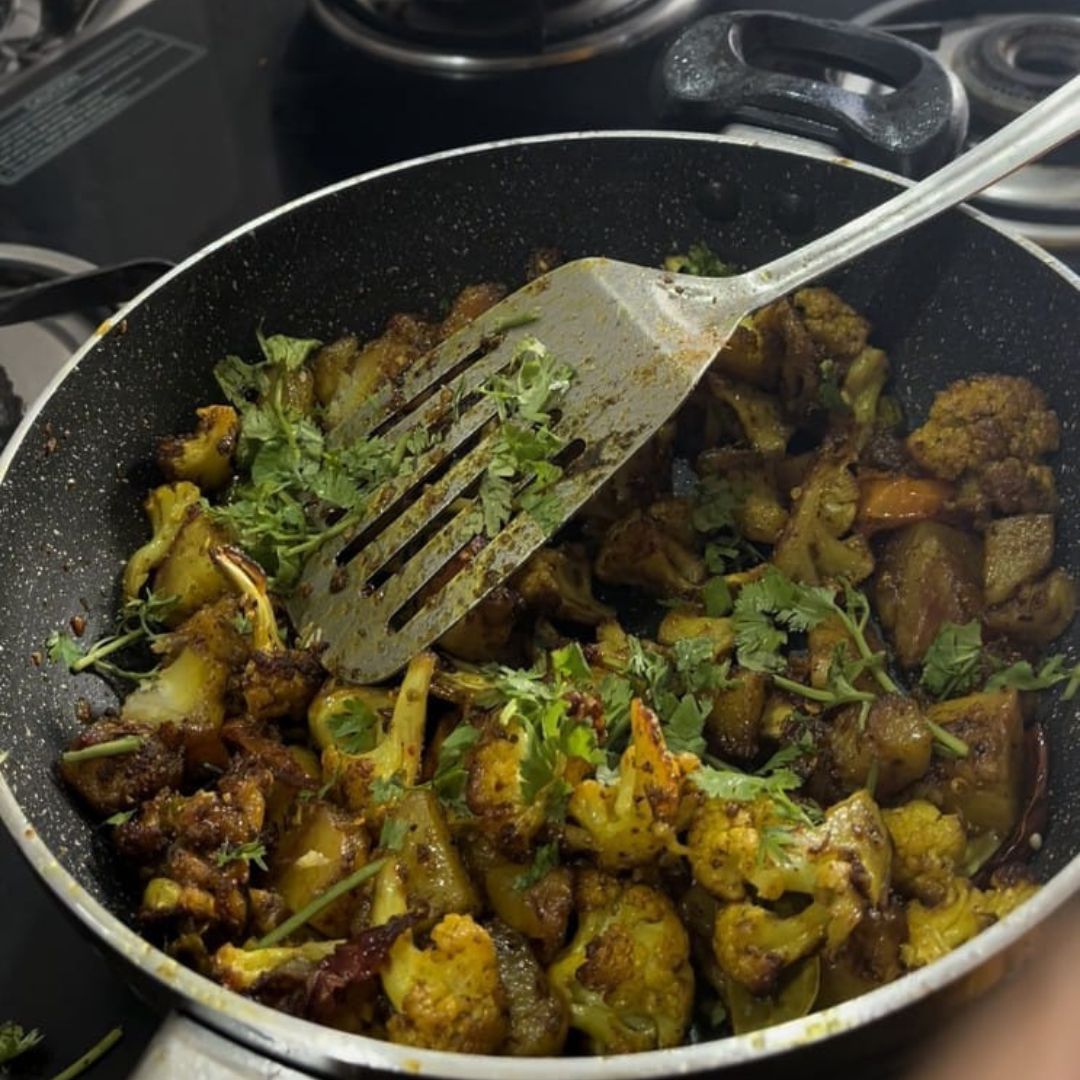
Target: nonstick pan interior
column 954, row 298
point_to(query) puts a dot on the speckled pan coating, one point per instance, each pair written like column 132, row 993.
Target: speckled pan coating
column 954, row 298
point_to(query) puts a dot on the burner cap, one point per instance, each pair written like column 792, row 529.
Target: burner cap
column 1010, row 64
column 483, row 37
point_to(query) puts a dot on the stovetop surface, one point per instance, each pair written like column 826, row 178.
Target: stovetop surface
column 231, row 113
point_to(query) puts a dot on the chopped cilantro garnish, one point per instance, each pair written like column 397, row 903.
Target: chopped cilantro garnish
column 544, row 861
column 953, row 663
column 450, row 774
column 355, row 727
column 252, row 852
column 15, row 1040
column 699, row 260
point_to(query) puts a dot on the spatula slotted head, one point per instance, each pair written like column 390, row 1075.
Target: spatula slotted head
column 637, row 340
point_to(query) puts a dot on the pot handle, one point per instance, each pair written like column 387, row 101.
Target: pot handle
column 184, row 1047
column 722, row 68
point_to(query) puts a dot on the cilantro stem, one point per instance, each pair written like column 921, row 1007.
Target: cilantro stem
column 311, row 909
column 949, row 742
column 107, row 647
column 826, row 697
column 126, row 745
column 872, row 659
column 94, row 1054
column 513, row 321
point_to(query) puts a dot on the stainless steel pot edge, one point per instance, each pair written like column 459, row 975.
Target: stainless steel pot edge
column 292, row 1039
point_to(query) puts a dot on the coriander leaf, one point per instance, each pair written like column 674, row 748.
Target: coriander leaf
column 1021, row 676
column 683, row 728
column 122, row 817
column 241, row 383
column 716, row 596
column 774, row 845
column 758, row 640
column 953, row 663
column 393, row 834
column 569, row 663
column 62, row 648
column 355, row 727
column 616, row 694
column 287, row 352
column 14, row 1041
column 544, row 861
column 386, row 789
column 251, row 852
column 697, row 667
column 450, row 774
column 714, row 505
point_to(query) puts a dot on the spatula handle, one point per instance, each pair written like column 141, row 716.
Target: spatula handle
column 1027, row 138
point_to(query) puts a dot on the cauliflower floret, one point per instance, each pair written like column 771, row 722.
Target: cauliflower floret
column 397, row 751
column 984, row 418
column 758, row 413
column 838, row 328
column 928, row 846
column 632, row 821
column 638, row 551
column 449, row 995
column 205, row 456
column 813, row 547
column 242, row 969
column 168, row 508
column 965, row 912
column 558, row 582
column 493, row 791
column 842, row 865
column 626, row 976
column 276, row 681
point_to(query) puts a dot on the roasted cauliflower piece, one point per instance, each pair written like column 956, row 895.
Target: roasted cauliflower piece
column 493, row 791
column 638, row 551
column 817, row 544
column 243, row 969
column 981, row 419
column 928, row 849
column 557, row 582
column 760, row 417
column 842, row 865
column 964, row 912
column 447, row 996
column 168, row 508
column 190, row 689
column 631, row 821
column 835, row 326
column 396, row 754
column 625, row 977
column 205, row 456
column 426, row 873
column 122, row 782
column 188, row 572
column 276, row 681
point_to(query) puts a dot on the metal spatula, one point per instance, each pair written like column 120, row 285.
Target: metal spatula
column 639, row 340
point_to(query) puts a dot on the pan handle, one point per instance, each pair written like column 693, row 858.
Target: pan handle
column 184, row 1047
column 725, row 68
column 105, row 286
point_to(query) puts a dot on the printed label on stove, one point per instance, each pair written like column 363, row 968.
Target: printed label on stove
column 86, row 95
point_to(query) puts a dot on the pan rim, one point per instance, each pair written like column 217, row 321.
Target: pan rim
column 290, row 1038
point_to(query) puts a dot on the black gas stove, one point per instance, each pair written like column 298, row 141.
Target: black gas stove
column 151, row 134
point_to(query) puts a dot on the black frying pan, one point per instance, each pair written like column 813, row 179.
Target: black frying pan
column 957, row 296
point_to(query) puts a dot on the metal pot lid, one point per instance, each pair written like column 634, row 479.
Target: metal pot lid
column 1007, row 59
column 488, row 37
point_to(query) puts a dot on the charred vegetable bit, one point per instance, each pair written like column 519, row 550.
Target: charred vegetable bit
column 815, row 770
